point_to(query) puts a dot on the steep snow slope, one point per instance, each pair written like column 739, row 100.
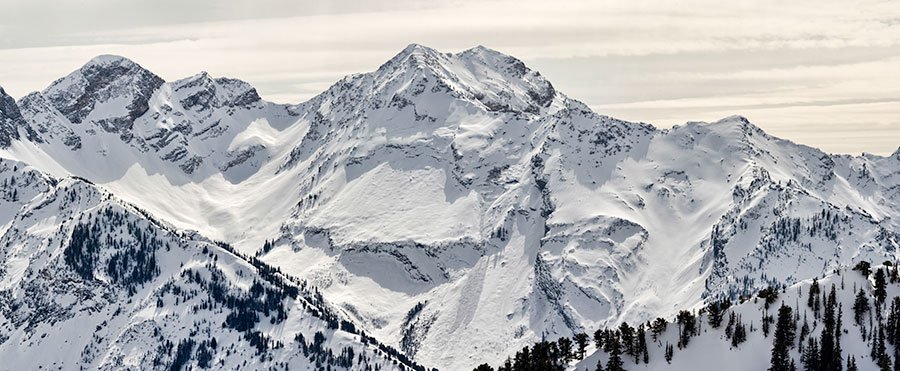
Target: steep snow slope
column 457, row 205
column 91, row 282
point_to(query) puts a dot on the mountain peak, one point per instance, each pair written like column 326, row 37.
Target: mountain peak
column 202, row 92
column 103, row 79
column 483, row 76
column 108, row 60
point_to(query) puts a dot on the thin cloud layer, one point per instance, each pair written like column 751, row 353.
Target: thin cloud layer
column 805, row 70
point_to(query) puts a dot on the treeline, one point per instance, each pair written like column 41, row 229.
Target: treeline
column 879, row 326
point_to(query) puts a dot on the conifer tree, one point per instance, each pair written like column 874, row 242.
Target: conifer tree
column 810, row 357
column 860, row 306
column 829, row 359
column 657, row 327
column 882, row 358
column 627, row 334
column 581, row 340
column 880, row 286
column 813, row 301
column 670, row 351
column 599, row 335
column 642, row 344
column 565, row 349
column 716, row 312
column 740, row 334
column 851, row 364
column 686, row 325
column 783, row 340
column 615, row 355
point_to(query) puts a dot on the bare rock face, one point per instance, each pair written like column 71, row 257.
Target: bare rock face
column 10, row 119
column 109, row 91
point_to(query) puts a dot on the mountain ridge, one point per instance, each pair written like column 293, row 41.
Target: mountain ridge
column 446, row 196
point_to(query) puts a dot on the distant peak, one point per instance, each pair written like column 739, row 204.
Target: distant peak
column 734, row 119
column 481, row 49
column 106, row 60
column 414, row 53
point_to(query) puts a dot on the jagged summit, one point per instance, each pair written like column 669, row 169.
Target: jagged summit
column 10, row 119
column 489, row 79
column 96, row 93
column 202, row 91
column 107, row 60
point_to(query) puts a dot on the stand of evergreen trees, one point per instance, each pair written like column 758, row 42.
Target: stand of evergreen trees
column 878, row 322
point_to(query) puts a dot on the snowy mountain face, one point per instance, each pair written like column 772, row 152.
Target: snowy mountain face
column 92, row 282
column 455, row 206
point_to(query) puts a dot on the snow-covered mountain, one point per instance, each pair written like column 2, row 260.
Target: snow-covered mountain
column 89, row 281
column 457, row 206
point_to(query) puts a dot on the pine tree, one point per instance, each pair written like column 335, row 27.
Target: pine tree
column 615, row 355
column 565, row 349
column 860, row 307
column 599, row 365
column 598, row 338
column 581, row 339
column 880, row 287
column 716, row 312
column 838, row 327
column 642, row 345
column 810, row 357
column 864, row 268
column 657, row 327
column 851, row 364
column 783, row 340
column 740, row 334
column 804, row 332
column 829, row 356
column 627, row 334
column 686, row 325
column 881, row 357
column 813, row 301
column 670, row 351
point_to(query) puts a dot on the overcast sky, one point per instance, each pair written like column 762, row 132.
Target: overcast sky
column 823, row 73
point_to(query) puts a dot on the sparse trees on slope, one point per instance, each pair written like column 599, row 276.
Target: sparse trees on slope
column 657, row 327
column 687, row 323
column 641, row 350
